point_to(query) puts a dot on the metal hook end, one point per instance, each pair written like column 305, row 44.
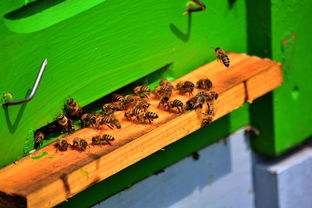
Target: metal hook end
column 34, row 89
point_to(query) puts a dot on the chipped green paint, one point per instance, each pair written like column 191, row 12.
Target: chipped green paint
column 51, row 157
column 84, row 172
column 39, row 156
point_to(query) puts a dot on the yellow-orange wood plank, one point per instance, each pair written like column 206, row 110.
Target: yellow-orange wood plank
column 57, row 176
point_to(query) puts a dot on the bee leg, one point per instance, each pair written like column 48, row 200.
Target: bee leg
column 178, row 109
column 109, row 126
column 108, row 142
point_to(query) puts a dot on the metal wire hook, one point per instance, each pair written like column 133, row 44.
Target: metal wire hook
column 34, row 89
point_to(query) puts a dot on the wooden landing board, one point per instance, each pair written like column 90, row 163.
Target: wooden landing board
column 56, row 176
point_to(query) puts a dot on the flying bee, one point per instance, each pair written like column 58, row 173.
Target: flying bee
column 133, row 112
column 108, row 109
column 176, row 104
column 79, row 144
column 141, row 91
column 65, row 124
column 222, row 57
column 102, row 140
column 150, row 116
column 205, row 84
column 39, row 137
column 110, row 121
column 72, row 108
column 61, row 145
column 185, row 87
column 207, row 121
column 162, row 91
column 143, row 105
column 190, row 8
column 118, row 98
column 165, row 82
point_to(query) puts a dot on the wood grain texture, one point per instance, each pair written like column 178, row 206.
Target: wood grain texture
column 57, row 176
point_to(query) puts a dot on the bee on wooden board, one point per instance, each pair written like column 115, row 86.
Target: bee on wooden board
column 102, row 140
column 108, row 109
column 143, row 105
column 163, row 91
column 141, row 91
column 118, row 98
column 165, row 82
column 195, row 102
column 72, row 108
column 176, row 104
column 204, row 84
column 133, row 112
column 61, row 145
column 65, row 124
column 207, row 121
column 221, row 55
column 163, row 101
column 110, row 121
column 185, row 87
column 150, row 116
column 131, row 101
column 39, row 137
column 208, row 96
column 79, row 144
column 87, row 119
column 190, row 9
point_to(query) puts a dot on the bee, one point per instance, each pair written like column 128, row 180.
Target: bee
column 209, row 96
column 201, row 5
column 185, row 87
column 211, row 109
column 110, row 121
column 65, row 124
column 61, row 145
column 222, row 57
column 142, row 91
column 162, row 91
column 163, row 101
column 118, row 98
column 134, row 112
column 165, row 82
column 72, row 108
column 207, row 121
column 150, row 116
column 143, row 105
column 87, row 119
column 79, row 144
column 39, row 137
column 176, row 104
column 108, row 109
column 195, row 102
column 102, row 140
column 130, row 101
column 205, row 84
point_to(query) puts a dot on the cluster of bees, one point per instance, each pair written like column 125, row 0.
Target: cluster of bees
column 136, row 109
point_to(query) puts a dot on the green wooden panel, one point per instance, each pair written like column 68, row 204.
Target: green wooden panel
column 96, row 48
column 283, row 34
